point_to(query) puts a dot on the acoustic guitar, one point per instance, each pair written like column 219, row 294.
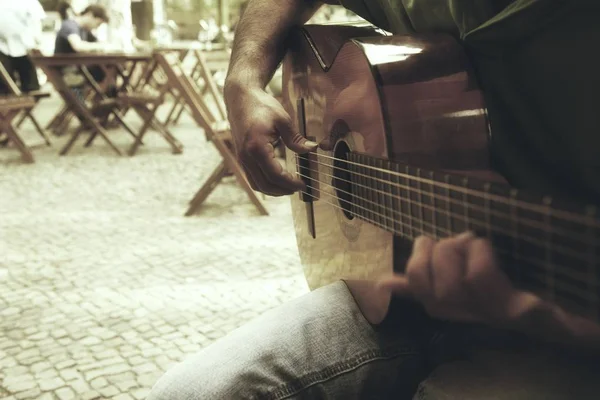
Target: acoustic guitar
column 404, row 152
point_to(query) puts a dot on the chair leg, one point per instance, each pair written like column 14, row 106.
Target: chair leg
column 164, row 132
column 234, row 166
column 172, row 111
column 142, row 132
column 207, row 188
column 21, row 119
column 71, row 141
column 14, row 137
column 39, row 128
column 178, row 115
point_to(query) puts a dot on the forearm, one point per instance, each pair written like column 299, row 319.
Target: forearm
column 552, row 324
column 259, row 44
column 85, row 47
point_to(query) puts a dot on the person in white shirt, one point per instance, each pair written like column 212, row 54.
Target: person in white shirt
column 20, row 32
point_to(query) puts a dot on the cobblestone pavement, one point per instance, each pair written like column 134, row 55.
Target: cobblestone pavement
column 104, row 284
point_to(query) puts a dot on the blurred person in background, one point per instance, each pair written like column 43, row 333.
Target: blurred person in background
column 20, row 32
column 76, row 36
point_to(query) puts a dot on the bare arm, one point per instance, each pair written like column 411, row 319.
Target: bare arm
column 258, row 47
column 81, row 46
column 257, row 119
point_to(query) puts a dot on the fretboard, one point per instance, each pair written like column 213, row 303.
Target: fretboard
column 549, row 248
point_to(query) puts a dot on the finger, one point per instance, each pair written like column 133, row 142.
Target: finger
column 449, row 266
column 488, row 286
column 448, row 269
column 482, row 270
column 293, row 139
column 397, row 284
column 418, row 268
column 258, row 181
column 276, row 177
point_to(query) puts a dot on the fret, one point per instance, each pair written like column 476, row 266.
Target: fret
column 514, row 227
column 457, row 207
column 370, row 200
column 465, row 201
column 520, row 247
column 354, row 188
column 550, row 279
column 356, row 193
column 486, row 210
column 363, row 210
column 381, row 213
column 388, row 196
column 411, row 215
column 397, row 201
column 592, row 265
column 419, row 197
column 448, row 208
column 435, row 229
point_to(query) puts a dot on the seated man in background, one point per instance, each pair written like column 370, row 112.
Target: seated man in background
column 75, row 36
column 20, row 32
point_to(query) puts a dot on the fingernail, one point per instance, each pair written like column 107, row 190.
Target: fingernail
column 310, row 143
column 466, row 235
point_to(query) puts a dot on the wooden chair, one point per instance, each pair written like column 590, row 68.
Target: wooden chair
column 216, row 130
column 27, row 112
column 146, row 102
column 202, row 79
column 10, row 107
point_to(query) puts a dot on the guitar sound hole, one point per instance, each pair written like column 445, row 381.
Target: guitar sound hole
column 342, row 178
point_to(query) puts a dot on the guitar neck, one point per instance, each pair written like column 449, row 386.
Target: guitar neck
column 545, row 247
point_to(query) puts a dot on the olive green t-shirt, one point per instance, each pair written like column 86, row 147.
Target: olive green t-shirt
column 539, row 67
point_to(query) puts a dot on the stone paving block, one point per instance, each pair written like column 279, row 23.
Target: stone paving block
column 28, row 394
column 49, row 373
column 65, row 363
column 123, row 376
column 108, row 370
column 65, row 393
column 109, row 391
column 91, row 395
column 21, row 383
column 80, row 386
column 99, row 383
column 141, row 394
column 70, row 374
column 53, row 383
column 126, row 386
column 123, row 396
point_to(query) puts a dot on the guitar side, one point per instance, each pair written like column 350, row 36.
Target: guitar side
column 407, row 99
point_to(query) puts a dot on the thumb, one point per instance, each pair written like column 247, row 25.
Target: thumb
column 397, row 284
column 293, row 139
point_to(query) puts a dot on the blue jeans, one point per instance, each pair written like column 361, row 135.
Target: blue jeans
column 319, row 346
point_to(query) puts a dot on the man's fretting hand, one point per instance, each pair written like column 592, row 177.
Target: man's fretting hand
column 257, row 121
column 458, row 279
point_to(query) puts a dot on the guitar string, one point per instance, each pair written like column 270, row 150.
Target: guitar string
column 473, row 207
column 589, row 219
column 433, row 227
column 588, row 294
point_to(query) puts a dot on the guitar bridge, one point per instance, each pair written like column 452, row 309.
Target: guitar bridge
column 305, row 172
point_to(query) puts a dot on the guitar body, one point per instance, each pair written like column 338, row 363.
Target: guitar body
column 409, row 99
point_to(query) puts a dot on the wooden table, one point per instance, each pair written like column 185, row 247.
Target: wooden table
column 52, row 67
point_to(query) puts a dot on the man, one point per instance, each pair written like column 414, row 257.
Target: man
column 75, row 33
column 20, row 32
column 540, row 83
column 76, row 36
